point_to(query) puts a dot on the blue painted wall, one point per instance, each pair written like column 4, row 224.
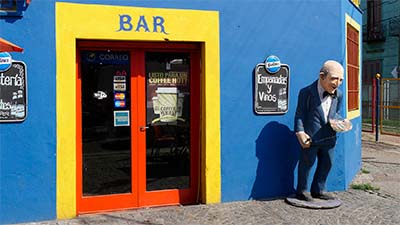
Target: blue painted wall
column 258, row 153
column 261, row 160
column 351, row 141
column 28, row 149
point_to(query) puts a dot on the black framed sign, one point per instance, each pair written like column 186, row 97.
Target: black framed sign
column 13, row 7
column 13, row 101
column 271, row 87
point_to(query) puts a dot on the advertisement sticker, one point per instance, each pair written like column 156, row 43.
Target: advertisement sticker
column 121, row 118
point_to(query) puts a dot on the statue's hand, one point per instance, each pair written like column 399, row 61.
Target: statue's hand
column 342, row 125
column 304, row 139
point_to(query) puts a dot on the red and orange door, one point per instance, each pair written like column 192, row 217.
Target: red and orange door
column 138, row 113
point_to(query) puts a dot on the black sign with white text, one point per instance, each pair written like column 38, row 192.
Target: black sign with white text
column 271, row 90
column 13, row 93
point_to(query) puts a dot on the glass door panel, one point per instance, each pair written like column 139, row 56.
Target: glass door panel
column 137, row 126
column 168, row 120
column 106, row 131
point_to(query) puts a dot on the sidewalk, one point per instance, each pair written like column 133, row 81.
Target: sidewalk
column 381, row 169
column 381, row 164
column 385, row 139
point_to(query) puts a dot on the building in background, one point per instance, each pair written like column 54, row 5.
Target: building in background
column 381, row 38
column 134, row 104
column 381, row 54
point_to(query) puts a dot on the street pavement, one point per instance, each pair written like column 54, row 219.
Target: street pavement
column 380, row 169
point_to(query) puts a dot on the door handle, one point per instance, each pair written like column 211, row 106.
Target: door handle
column 143, row 128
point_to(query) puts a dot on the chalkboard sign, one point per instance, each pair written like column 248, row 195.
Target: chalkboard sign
column 271, row 88
column 13, row 100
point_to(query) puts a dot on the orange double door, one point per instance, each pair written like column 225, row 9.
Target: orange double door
column 138, row 113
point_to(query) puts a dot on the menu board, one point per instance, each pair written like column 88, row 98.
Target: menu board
column 271, row 90
column 13, row 101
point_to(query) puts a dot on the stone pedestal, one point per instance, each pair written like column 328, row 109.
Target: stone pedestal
column 315, row 204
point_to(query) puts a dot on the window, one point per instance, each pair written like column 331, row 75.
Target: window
column 374, row 15
column 353, row 67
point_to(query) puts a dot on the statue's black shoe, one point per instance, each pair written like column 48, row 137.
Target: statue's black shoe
column 304, row 197
column 323, row 196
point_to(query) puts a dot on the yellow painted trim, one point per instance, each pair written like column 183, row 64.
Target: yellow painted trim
column 211, row 117
column 86, row 21
column 356, row 2
column 354, row 113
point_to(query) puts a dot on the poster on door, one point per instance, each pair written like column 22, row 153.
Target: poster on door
column 167, row 88
column 13, row 101
column 168, row 104
column 167, row 93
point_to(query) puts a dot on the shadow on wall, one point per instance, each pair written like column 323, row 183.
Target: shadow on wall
column 277, row 151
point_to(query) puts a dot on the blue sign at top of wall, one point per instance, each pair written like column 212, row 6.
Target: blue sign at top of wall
column 272, row 64
column 5, row 61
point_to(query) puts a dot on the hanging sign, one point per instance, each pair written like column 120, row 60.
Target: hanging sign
column 13, row 100
column 271, row 94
